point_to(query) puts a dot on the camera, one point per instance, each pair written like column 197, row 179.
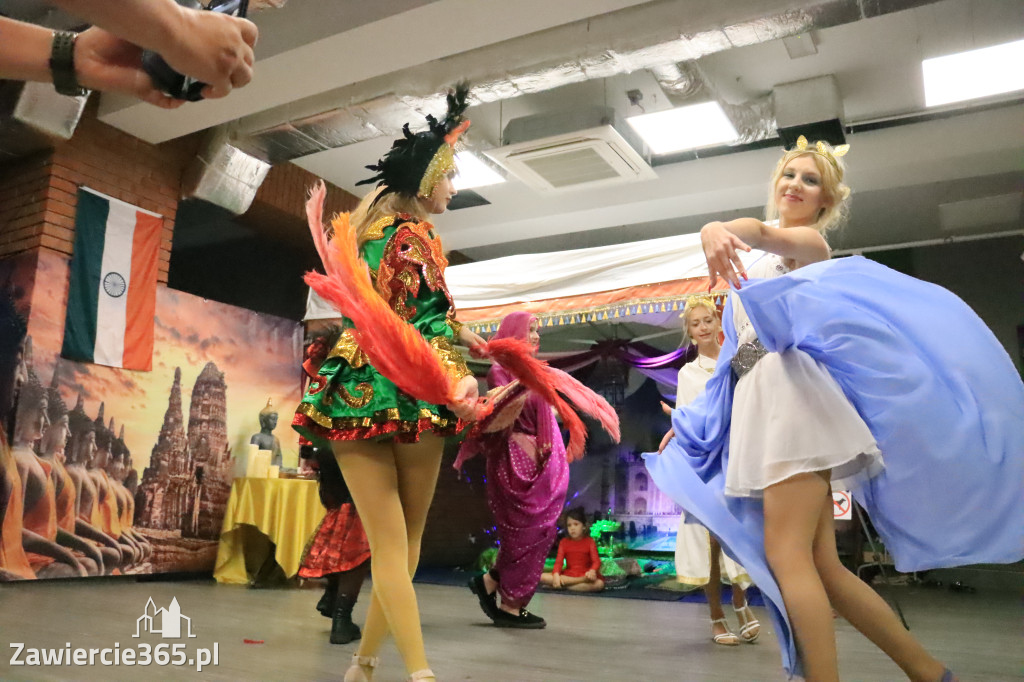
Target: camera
column 169, row 81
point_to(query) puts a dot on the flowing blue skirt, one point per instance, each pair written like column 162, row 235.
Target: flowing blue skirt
column 938, row 392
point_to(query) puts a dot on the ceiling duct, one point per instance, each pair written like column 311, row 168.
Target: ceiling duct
column 683, row 83
column 33, row 116
column 582, row 147
column 812, row 108
column 649, row 36
column 224, row 175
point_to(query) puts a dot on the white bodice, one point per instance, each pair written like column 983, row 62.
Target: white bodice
column 766, row 267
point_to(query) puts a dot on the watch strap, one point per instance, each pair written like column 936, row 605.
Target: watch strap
column 62, row 64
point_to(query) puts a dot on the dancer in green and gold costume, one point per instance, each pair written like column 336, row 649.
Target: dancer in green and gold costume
column 388, row 444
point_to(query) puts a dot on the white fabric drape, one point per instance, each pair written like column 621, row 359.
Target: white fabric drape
column 541, row 276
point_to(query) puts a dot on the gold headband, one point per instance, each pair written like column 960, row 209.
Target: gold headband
column 440, row 165
column 698, row 300
column 443, row 161
column 821, row 149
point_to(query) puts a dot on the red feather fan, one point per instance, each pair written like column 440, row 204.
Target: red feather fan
column 517, row 357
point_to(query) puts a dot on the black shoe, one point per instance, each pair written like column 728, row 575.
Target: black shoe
column 343, row 630
column 525, row 620
column 488, row 602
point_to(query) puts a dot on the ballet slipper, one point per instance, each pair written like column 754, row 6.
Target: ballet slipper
column 425, row 674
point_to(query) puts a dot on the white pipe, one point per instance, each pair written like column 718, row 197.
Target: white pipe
column 927, row 242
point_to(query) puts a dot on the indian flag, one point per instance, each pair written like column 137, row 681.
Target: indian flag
column 112, row 297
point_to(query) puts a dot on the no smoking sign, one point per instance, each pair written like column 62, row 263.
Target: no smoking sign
column 842, row 505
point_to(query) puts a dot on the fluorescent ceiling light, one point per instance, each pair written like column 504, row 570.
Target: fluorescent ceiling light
column 698, row 125
column 472, row 172
column 976, row 73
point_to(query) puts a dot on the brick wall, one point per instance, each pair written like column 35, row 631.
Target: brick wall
column 278, row 211
column 285, row 190
column 38, row 194
column 23, row 198
column 119, row 165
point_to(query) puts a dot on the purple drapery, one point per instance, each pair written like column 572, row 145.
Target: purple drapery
column 644, row 358
column 633, row 359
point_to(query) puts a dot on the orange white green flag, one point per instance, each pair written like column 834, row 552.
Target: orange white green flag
column 112, row 295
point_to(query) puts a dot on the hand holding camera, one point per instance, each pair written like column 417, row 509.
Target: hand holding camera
column 208, row 55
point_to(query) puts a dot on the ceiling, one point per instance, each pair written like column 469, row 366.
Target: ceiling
column 906, row 161
column 909, row 166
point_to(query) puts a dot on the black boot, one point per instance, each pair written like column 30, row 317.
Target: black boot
column 343, row 630
column 326, row 604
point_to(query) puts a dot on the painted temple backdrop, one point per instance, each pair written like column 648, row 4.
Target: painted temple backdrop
column 135, row 465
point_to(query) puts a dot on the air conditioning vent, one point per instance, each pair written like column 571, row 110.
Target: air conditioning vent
column 557, row 155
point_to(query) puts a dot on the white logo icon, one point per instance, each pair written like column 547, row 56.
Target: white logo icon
column 165, row 622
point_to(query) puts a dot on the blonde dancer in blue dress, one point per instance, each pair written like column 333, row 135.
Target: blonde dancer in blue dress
column 922, row 395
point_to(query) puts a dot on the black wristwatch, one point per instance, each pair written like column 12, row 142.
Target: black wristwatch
column 62, row 65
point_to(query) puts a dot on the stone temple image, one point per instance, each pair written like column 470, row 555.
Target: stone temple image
column 637, row 499
column 187, row 483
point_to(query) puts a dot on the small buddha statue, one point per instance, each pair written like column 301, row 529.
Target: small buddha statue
column 265, row 439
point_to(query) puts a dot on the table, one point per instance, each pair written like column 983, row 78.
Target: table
column 260, row 511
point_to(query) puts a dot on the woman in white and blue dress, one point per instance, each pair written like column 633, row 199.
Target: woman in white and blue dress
column 844, row 372
column 700, row 561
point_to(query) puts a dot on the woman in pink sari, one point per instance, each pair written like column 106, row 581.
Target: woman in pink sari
column 527, row 479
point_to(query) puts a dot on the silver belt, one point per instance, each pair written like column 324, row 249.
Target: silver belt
column 747, row 356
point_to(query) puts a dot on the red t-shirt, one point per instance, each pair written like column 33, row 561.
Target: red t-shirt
column 580, row 556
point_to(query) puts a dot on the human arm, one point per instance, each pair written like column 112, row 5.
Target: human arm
column 595, row 560
column 559, row 559
column 687, row 390
column 466, row 393
column 102, row 61
column 214, row 48
column 669, row 435
column 463, row 334
column 24, row 51
column 469, row 338
column 721, row 241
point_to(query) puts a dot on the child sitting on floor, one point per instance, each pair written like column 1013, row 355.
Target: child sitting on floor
column 579, row 553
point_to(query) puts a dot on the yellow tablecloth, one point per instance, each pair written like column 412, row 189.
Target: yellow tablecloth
column 286, row 511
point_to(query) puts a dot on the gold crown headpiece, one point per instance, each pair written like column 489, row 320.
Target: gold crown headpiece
column 698, row 300
column 822, row 149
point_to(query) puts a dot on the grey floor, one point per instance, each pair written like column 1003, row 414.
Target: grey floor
column 588, row 638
